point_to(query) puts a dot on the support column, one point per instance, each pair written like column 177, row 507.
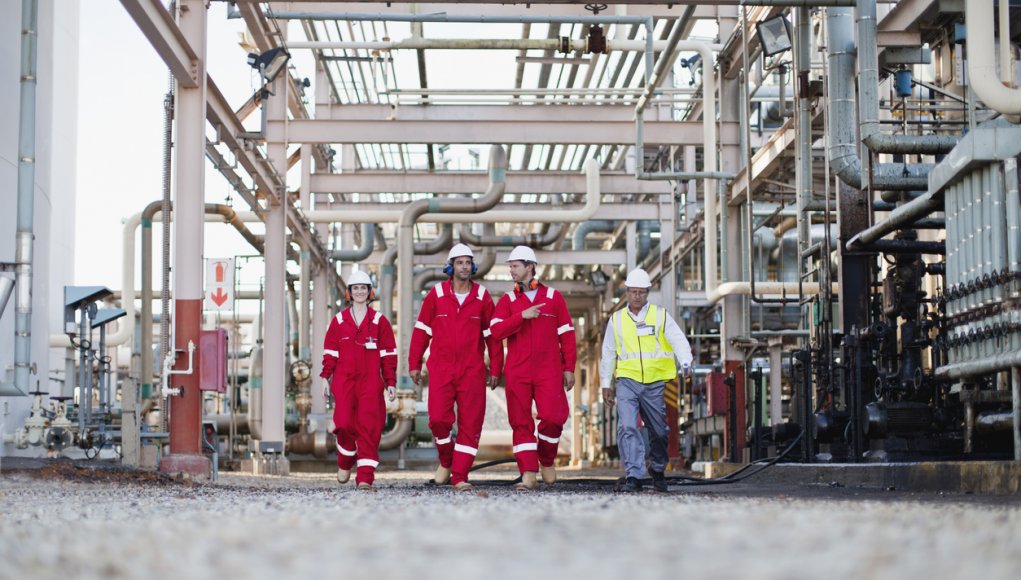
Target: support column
column 275, row 340
column 735, row 308
column 189, row 222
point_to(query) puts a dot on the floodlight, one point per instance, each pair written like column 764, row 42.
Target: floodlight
column 598, row 279
column 774, row 35
column 270, row 63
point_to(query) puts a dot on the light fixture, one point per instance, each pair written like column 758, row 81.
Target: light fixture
column 598, row 279
column 774, row 35
column 270, row 63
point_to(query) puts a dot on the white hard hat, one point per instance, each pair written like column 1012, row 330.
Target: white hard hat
column 523, row 253
column 638, row 278
column 458, row 251
column 359, row 277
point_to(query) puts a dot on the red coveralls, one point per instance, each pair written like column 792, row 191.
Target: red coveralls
column 539, row 351
column 362, row 361
column 457, row 369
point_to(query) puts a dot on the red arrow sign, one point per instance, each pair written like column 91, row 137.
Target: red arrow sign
column 219, row 297
column 219, row 276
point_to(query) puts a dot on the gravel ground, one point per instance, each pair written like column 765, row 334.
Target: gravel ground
column 73, row 522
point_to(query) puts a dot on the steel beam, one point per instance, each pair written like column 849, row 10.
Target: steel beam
column 594, row 130
column 165, row 36
column 465, row 182
column 606, row 211
column 670, row 11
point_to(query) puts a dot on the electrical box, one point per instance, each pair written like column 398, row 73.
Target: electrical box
column 719, row 398
column 213, row 360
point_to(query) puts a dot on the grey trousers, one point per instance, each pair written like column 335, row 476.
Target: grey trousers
column 634, row 399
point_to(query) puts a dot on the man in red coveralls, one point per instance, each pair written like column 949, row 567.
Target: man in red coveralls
column 539, row 366
column 455, row 318
column 361, row 355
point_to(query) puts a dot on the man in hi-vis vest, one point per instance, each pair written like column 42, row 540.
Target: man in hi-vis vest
column 640, row 346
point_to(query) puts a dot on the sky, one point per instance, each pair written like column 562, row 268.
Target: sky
column 120, row 135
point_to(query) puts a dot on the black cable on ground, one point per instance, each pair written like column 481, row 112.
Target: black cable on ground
column 680, row 480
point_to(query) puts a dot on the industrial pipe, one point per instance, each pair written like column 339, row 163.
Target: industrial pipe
column 842, row 148
column 24, row 260
column 361, row 252
column 386, row 269
column 901, row 217
column 978, row 17
column 868, row 96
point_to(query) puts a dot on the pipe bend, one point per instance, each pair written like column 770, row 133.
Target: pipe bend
column 394, row 437
column 978, row 17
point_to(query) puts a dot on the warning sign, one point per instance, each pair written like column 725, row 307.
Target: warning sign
column 219, row 284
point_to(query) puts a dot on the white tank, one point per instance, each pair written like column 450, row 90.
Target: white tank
column 55, row 175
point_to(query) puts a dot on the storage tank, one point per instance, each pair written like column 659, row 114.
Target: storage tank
column 56, row 122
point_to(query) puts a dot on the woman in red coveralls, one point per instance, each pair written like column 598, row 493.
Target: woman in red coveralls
column 360, row 355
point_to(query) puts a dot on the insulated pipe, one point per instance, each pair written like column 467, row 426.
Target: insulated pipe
column 406, row 245
column 399, row 434
column 843, row 151
column 978, row 17
column 361, row 252
column 868, row 101
column 456, row 18
column 24, row 259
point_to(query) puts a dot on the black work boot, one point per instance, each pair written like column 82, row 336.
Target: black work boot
column 658, row 481
column 631, row 485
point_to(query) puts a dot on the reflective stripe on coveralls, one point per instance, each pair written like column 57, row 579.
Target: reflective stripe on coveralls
column 539, row 351
column 457, row 336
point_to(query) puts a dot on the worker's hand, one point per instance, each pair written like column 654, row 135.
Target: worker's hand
column 568, row 380
column 685, row 370
column 531, row 311
column 609, row 395
column 491, row 382
column 326, row 389
column 391, row 393
column 416, row 376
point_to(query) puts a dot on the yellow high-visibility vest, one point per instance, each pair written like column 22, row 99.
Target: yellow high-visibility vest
column 647, row 358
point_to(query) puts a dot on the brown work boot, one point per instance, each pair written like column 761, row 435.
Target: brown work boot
column 343, row 475
column 462, row 486
column 549, row 474
column 442, row 476
column 527, row 483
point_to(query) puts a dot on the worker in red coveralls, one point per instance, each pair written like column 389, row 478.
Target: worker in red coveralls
column 539, row 366
column 360, row 355
column 455, row 319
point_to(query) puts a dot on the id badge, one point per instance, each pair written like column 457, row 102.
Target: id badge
column 646, row 330
column 370, row 345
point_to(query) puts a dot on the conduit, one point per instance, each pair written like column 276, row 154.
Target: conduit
column 978, row 17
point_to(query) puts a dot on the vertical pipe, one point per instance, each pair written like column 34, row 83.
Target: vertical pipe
column 26, row 197
column 1005, row 64
column 1012, row 203
column 189, row 207
column 803, row 173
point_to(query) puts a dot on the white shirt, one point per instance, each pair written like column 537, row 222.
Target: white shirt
column 673, row 334
column 461, row 297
